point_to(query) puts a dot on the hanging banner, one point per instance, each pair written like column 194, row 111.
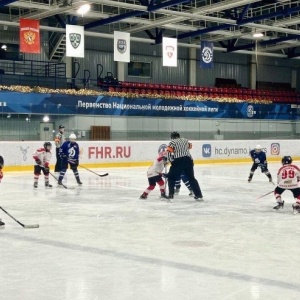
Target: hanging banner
column 30, row 36
column 121, row 46
column 207, row 54
column 74, row 41
column 169, row 52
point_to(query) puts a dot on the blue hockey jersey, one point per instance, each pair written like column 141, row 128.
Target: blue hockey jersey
column 70, row 150
column 258, row 157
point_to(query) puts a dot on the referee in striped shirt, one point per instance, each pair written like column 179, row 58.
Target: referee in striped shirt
column 181, row 163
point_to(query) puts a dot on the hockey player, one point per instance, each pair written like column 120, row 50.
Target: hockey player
column 59, row 140
column 186, row 181
column 69, row 152
column 2, row 224
column 154, row 175
column 288, row 177
column 42, row 157
column 259, row 160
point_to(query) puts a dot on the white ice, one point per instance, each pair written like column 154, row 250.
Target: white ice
column 100, row 241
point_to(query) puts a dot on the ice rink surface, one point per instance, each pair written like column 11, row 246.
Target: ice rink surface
column 100, row 241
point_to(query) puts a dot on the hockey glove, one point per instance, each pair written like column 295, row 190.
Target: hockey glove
column 164, row 175
column 38, row 161
column 257, row 161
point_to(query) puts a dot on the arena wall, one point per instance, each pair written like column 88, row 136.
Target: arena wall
column 98, row 154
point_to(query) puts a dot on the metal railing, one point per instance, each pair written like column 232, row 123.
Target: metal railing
column 33, row 68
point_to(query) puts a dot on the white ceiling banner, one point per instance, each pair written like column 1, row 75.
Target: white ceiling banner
column 121, row 46
column 74, row 41
column 169, row 52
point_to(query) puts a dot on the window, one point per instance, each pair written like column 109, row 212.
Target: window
column 139, row 69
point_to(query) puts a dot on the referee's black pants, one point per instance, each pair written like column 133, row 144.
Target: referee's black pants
column 183, row 165
column 58, row 165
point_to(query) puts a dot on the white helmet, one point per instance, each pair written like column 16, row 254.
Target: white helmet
column 72, row 136
column 258, row 147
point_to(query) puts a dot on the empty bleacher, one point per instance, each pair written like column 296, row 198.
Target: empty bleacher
column 207, row 93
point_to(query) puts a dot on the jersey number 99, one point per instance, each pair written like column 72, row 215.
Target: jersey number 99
column 288, row 174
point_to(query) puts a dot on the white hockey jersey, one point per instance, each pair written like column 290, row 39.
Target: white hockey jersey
column 288, row 177
column 43, row 155
column 156, row 168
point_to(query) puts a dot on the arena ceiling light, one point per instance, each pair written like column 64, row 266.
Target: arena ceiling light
column 46, row 119
column 258, row 34
column 84, row 8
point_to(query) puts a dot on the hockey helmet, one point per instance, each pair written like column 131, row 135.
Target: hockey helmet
column 286, row 160
column 258, row 148
column 47, row 146
column 175, row 135
column 72, row 137
column 61, row 127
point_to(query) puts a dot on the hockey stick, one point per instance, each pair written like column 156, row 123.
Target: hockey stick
column 23, row 225
column 57, row 180
column 265, row 195
column 101, row 175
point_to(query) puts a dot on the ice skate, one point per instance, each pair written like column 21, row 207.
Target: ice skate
column 191, row 194
column 249, row 179
column 143, row 196
column 163, row 195
column 79, row 182
column 35, row 185
column 279, row 205
column 296, row 208
column 60, row 184
column 2, row 224
column 177, row 190
column 198, row 198
column 48, row 185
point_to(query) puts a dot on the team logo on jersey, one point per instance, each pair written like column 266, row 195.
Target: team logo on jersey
column 275, row 149
column 75, row 39
column 206, row 150
column 162, row 149
column 72, row 152
column 121, row 45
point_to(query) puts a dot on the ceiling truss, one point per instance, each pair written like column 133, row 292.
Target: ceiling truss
column 229, row 24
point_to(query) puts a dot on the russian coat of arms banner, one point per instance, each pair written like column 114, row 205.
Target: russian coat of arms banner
column 30, row 36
